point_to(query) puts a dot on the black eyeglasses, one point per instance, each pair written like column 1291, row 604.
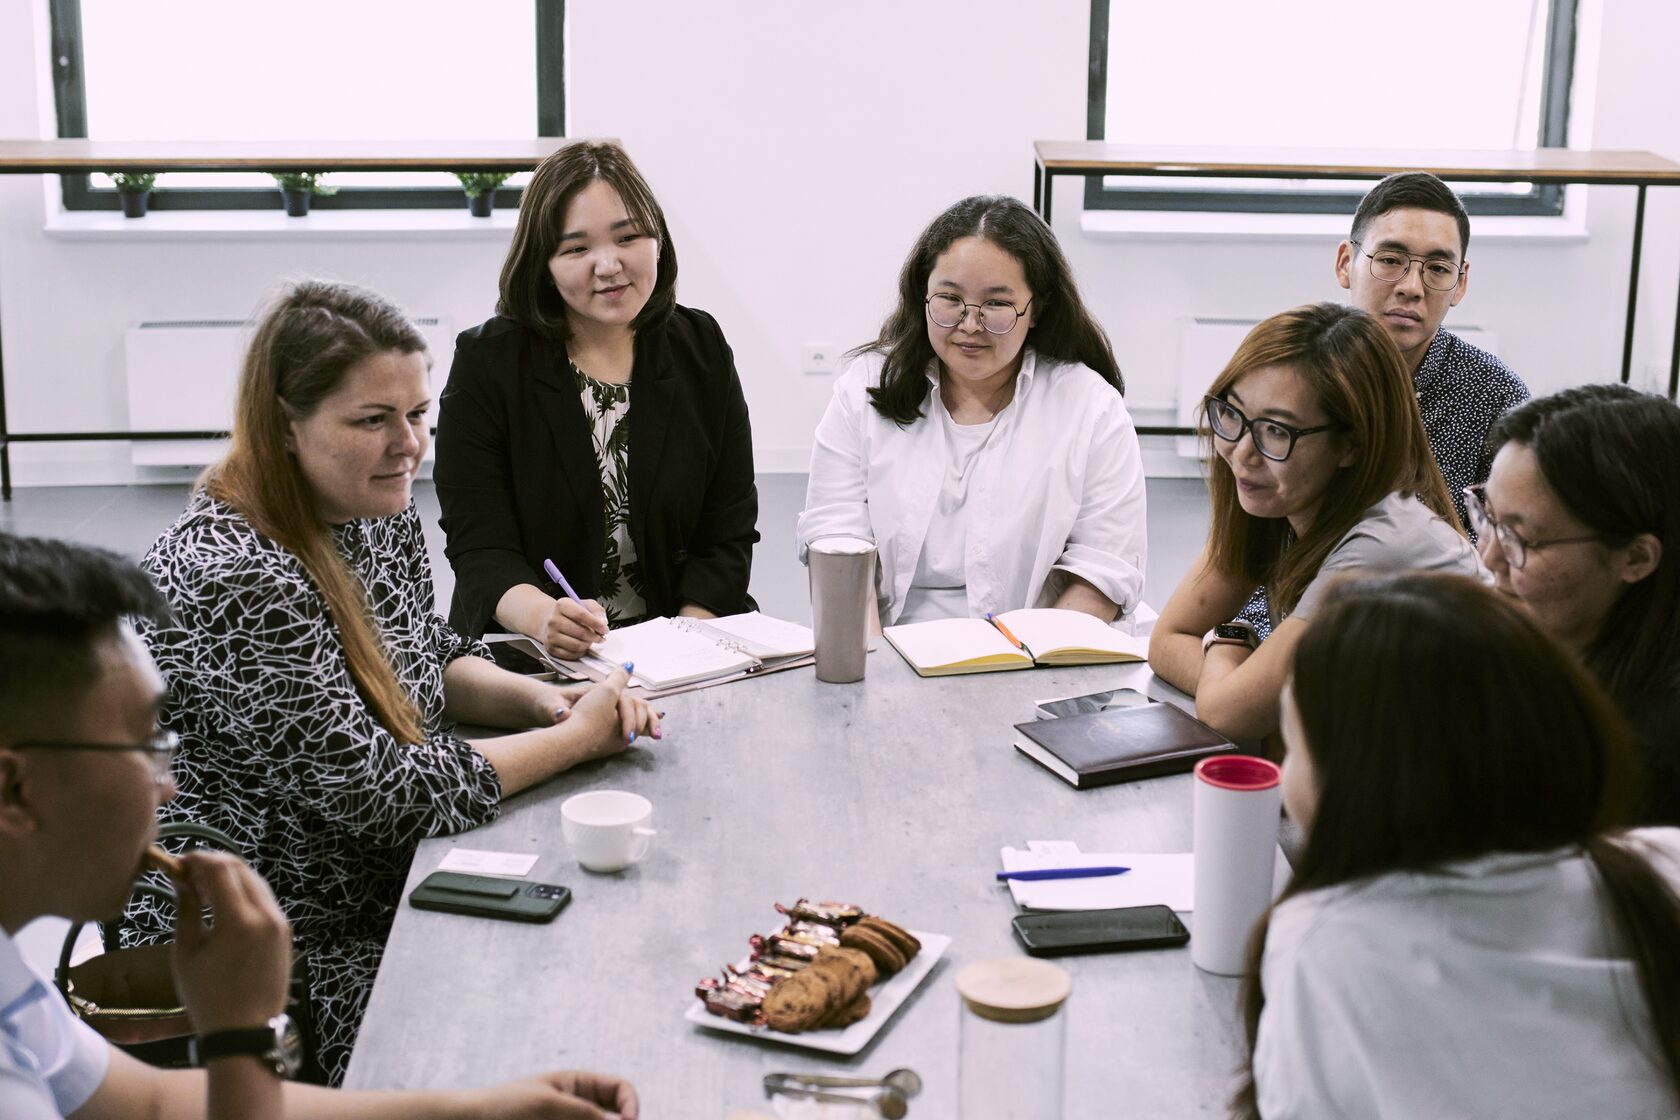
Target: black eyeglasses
column 159, row 750
column 1272, row 438
column 998, row 316
column 1391, row 265
column 1516, row 549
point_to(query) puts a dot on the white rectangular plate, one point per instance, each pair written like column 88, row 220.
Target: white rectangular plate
column 884, row 1003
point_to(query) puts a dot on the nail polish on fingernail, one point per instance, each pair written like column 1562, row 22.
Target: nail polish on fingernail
column 629, row 666
column 661, row 715
column 630, row 740
column 659, row 733
column 560, row 714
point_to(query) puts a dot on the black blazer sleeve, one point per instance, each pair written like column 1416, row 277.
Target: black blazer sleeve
column 475, row 477
column 718, row 566
column 518, row 481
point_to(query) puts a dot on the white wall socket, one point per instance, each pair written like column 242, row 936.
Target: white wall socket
column 819, row 357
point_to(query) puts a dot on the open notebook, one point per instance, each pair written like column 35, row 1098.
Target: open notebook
column 672, row 652
column 1047, row 636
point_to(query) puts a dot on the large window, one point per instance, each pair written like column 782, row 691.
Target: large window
column 303, row 70
column 1433, row 74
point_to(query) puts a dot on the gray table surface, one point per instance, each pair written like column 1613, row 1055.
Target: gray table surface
column 894, row 793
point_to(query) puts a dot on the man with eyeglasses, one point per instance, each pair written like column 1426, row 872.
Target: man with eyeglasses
column 1404, row 262
column 83, row 770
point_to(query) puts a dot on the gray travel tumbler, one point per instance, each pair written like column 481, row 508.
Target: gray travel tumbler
column 842, row 580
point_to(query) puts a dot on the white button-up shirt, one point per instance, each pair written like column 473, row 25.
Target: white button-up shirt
column 1058, row 490
column 1495, row 987
column 50, row 1061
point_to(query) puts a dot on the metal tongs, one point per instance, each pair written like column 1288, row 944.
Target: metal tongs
column 889, row 1096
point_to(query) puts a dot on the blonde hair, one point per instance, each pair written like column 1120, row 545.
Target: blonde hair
column 306, row 340
column 1356, row 372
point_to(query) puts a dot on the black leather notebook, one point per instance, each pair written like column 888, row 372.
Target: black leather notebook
column 1120, row 744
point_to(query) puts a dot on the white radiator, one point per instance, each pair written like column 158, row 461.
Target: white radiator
column 183, row 374
column 1205, row 345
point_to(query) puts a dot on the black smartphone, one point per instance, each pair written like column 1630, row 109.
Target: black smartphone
column 1051, row 933
column 486, row 896
column 515, row 660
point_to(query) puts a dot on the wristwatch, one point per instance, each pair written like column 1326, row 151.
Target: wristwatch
column 1235, row 633
column 276, row 1044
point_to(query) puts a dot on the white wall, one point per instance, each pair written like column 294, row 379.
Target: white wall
column 793, row 150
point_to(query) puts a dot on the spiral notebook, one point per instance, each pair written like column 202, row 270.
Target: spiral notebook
column 671, row 653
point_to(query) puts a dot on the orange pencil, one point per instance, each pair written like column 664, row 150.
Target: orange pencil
column 1004, row 630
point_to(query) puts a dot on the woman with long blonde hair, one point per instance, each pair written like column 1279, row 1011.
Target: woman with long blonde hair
column 314, row 689
column 1321, row 466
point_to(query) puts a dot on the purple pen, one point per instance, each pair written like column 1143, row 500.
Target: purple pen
column 553, row 571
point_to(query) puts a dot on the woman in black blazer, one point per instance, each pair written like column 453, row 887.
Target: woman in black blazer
column 595, row 423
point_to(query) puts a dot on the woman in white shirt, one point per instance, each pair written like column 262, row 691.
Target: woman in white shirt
column 1321, row 467
column 981, row 441
column 1461, row 936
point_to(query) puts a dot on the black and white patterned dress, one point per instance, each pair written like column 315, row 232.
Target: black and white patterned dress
column 606, row 405
column 279, row 750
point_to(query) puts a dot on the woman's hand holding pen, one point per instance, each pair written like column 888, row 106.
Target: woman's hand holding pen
column 572, row 627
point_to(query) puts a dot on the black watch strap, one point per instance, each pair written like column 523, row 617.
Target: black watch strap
column 275, row 1044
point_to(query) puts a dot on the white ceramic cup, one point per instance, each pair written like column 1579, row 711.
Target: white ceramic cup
column 607, row 829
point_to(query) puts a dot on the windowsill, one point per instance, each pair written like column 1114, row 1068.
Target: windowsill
column 274, row 225
column 1227, row 226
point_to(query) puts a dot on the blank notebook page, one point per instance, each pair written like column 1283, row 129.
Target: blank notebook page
column 952, row 641
column 1047, row 629
column 666, row 654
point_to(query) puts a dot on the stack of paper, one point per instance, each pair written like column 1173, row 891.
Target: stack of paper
column 1155, row 879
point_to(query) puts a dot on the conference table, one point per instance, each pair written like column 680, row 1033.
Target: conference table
column 894, row 793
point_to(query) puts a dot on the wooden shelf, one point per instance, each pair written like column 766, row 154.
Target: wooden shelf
column 1540, row 165
column 76, row 156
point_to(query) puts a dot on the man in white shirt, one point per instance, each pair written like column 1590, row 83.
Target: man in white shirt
column 82, row 772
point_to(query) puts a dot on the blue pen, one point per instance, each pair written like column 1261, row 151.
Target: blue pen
column 1061, row 873
column 554, row 574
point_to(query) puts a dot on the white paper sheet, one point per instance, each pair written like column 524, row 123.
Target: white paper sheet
column 475, row 861
column 1155, row 879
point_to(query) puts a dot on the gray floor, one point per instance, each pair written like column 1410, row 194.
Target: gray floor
column 128, row 518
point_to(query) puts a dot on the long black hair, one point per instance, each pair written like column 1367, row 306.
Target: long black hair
column 1612, row 456
column 527, row 289
column 1515, row 750
column 1065, row 330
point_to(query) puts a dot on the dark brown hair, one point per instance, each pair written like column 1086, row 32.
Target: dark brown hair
column 1612, row 456
column 1353, row 368
column 1515, row 750
column 58, row 601
column 1412, row 190
column 528, row 294
column 1065, row 330
column 305, row 342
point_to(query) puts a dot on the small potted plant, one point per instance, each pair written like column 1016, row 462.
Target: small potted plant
column 134, row 187
column 296, row 188
column 481, row 189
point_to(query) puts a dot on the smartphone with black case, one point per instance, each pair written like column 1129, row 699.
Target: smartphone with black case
column 1052, row 933
column 486, row 896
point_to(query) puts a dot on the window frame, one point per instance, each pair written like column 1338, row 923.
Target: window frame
column 1545, row 200
column 70, row 104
